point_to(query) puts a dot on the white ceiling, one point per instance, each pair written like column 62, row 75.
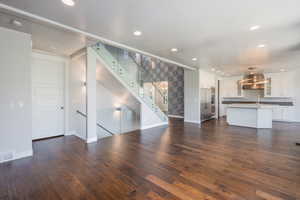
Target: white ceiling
column 214, row 31
column 45, row 37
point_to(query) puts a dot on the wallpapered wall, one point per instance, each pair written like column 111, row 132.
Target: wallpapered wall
column 160, row 71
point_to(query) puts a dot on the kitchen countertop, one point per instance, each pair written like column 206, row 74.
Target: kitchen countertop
column 280, row 103
column 252, row 106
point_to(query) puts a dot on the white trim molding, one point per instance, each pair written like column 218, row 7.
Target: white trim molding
column 19, row 155
column 91, row 140
column 23, row 154
column 67, row 133
column 155, row 125
column 176, row 116
column 194, row 122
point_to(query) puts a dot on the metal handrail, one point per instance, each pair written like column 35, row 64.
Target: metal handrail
column 99, row 125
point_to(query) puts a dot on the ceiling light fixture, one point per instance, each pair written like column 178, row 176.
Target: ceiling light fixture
column 261, row 46
column 137, row 33
column 253, row 28
column 213, row 69
column 69, row 2
column 174, row 49
column 282, row 70
column 16, row 22
column 194, row 59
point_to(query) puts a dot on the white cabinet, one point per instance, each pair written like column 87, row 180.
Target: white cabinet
column 277, row 113
column 278, row 85
column 282, row 85
column 288, row 113
column 232, row 87
column 283, row 113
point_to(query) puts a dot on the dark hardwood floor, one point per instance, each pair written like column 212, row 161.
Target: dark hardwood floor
column 182, row 162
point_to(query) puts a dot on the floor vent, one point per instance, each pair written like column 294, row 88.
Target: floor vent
column 6, row 156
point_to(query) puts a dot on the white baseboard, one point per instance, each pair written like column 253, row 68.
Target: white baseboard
column 154, row 125
column 23, row 154
column 191, row 121
column 91, row 140
column 19, row 155
column 176, row 116
column 70, row 133
column 287, row 121
column 79, row 136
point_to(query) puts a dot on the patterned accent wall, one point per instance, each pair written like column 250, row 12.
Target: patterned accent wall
column 160, row 71
column 157, row 71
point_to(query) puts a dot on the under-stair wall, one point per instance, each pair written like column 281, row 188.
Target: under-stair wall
column 115, row 114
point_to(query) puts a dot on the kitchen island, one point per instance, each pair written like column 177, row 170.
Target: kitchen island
column 250, row 115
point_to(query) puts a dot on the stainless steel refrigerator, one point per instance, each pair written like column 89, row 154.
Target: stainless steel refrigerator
column 208, row 105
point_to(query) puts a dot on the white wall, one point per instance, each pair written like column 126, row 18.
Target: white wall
column 294, row 83
column 228, row 88
column 91, row 91
column 253, row 94
column 77, row 95
column 149, row 119
column 207, row 79
column 15, row 90
column 110, row 118
column 191, row 96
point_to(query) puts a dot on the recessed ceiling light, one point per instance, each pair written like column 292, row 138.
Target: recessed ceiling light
column 194, row 59
column 282, row 70
column 137, row 33
column 69, row 2
column 174, row 49
column 213, row 69
column 16, row 23
column 261, row 46
column 253, row 28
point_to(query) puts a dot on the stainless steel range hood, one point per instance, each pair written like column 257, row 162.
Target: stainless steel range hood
column 253, row 82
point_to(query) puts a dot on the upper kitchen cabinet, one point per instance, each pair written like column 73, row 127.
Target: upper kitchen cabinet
column 232, row 87
column 278, row 85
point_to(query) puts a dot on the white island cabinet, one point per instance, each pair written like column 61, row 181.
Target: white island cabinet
column 250, row 115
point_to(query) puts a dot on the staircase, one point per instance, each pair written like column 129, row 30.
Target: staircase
column 128, row 72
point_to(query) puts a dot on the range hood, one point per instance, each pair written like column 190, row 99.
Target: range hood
column 253, row 82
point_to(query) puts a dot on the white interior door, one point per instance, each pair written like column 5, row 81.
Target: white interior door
column 48, row 96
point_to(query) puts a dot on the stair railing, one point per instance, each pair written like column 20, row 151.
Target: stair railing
column 123, row 74
column 99, row 125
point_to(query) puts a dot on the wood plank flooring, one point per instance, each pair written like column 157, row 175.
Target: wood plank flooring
column 179, row 162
